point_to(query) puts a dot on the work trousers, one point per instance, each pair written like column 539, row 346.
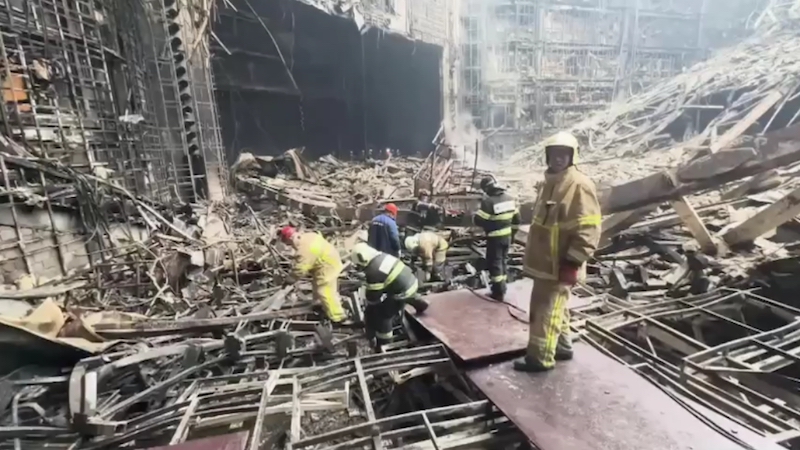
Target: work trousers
column 435, row 267
column 549, row 322
column 379, row 318
column 497, row 262
column 326, row 291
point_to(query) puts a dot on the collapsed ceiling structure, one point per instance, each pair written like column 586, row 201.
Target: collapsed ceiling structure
column 145, row 302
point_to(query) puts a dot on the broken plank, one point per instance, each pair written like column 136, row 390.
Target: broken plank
column 741, row 126
column 766, row 220
column 692, row 221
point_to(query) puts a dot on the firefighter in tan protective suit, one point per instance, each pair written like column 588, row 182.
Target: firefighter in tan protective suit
column 563, row 236
column 432, row 249
column 317, row 257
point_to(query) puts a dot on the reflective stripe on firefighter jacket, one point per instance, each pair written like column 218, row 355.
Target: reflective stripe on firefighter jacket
column 432, row 248
column 388, row 275
column 317, row 257
column 566, row 224
column 498, row 214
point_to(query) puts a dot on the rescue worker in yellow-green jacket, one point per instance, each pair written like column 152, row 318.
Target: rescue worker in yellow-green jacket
column 498, row 215
column 317, row 257
column 563, row 236
column 432, row 249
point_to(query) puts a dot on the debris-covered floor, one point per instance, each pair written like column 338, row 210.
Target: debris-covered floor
column 132, row 321
column 183, row 328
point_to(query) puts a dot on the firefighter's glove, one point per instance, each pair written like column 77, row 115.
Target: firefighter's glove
column 568, row 274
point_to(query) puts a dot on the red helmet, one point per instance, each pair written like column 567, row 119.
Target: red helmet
column 287, row 232
column 391, row 208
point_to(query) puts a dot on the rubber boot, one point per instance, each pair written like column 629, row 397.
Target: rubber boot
column 418, row 303
column 564, row 348
column 526, row 365
column 564, row 354
column 498, row 291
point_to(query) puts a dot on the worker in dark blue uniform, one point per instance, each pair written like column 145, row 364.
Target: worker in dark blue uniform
column 499, row 217
column 390, row 286
column 383, row 233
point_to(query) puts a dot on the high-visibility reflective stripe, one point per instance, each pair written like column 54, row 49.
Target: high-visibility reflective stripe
column 501, row 232
column 591, row 220
column 394, row 273
column 554, row 328
column 389, row 279
column 594, row 219
column 380, row 335
column 499, row 278
column 496, row 217
column 410, row 292
column 483, row 214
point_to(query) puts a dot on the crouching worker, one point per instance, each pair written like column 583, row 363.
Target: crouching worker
column 432, row 249
column 390, row 285
column 316, row 257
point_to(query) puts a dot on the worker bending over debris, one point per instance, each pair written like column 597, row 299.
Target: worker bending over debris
column 430, row 214
column 390, row 285
column 499, row 217
column 563, row 236
column 432, row 249
column 383, row 234
column 316, row 257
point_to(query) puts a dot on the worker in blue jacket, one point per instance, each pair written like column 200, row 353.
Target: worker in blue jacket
column 383, row 234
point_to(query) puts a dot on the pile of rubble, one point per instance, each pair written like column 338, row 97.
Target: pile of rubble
column 728, row 101
column 185, row 330
column 326, row 185
column 189, row 334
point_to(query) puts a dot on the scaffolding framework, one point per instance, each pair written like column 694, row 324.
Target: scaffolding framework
column 121, row 91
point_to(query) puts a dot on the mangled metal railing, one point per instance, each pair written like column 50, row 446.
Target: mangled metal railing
column 737, row 369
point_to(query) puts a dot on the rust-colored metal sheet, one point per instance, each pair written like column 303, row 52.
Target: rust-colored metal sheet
column 236, row 441
column 594, row 403
column 474, row 326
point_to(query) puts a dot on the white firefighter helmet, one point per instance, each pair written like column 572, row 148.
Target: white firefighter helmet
column 362, row 254
column 563, row 139
column 412, row 242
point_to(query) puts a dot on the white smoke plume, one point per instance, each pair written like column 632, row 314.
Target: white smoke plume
column 463, row 136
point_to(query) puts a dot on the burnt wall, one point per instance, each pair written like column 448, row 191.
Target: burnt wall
column 353, row 92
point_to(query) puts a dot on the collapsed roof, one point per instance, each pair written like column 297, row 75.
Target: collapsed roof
column 740, row 93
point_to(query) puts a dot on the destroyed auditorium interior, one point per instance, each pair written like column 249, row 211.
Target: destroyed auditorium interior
column 151, row 150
